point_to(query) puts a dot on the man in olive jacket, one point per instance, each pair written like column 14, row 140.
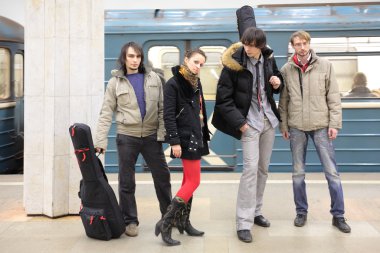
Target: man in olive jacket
column 310, row 107
column 136, row 97
column 245, row 109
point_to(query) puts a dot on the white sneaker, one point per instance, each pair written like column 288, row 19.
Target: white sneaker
column 132, row 230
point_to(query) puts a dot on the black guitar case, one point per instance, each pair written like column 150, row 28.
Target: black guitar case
column 100, row 212
column 245, row 19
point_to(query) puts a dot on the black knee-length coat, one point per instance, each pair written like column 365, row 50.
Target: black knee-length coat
column 182, row 105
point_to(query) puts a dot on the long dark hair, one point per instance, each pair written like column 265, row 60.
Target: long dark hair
column 123, row 53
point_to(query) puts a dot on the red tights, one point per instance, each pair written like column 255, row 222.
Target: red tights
column 191, row 178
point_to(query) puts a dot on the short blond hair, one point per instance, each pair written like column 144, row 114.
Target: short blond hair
column 300, row 34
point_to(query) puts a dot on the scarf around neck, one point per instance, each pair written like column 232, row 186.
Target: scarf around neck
column 189, row 76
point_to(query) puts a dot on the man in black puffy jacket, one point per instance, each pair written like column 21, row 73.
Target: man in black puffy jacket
column 245, row 109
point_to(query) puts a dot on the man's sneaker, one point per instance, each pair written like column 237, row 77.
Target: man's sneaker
column 340, row 223
column 300, row 220
column 132, row 230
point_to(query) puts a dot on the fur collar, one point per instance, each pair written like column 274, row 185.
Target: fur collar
column 235, row 57
column 228, row 60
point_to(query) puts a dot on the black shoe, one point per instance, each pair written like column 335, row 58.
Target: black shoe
column 300, row 220
column 340, row 223
column 261, row 221
column 244, row 235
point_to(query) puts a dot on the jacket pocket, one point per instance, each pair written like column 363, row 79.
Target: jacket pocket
column 119, row 117
column 153, row 92
column 95, row 223
column 180, row 113
column 123, row 98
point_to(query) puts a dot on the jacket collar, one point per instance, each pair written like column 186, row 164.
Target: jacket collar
column 183, row 84
column 236, row 59
column 120, row 74
column 314, row 58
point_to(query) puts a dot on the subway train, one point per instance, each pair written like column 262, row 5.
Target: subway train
column 347, row 35
column 11, row 96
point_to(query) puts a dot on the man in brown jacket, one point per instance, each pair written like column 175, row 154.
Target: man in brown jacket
column 310, row 107
column 135, row 96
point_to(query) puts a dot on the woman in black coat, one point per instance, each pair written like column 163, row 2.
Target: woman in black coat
column 187, row 133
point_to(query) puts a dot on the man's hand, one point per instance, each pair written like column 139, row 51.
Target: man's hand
column 244, row 128
column 100, row 150
column 333, row 133
column 275, row 81
column 285, row 135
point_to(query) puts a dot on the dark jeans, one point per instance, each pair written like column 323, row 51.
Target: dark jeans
column 129, row 148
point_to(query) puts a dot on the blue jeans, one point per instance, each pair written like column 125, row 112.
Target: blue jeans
column 326, row 154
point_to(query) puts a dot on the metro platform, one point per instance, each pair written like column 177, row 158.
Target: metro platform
column 213, row 212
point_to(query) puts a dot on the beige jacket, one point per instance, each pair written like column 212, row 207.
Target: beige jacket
column 320, row 105
column 120, row 98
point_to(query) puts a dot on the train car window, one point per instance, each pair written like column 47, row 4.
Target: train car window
column 355, row 61
column 162, row 59
column 19, row 75
column 211, row 70
column 4, row 73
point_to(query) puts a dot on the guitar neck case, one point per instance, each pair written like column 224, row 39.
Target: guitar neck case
column 245, row 19
column 100, row 213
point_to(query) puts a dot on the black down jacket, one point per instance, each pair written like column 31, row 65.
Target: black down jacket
column 181, row 117
column 234, row 90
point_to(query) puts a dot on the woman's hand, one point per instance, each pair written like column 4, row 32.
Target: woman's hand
column 177, row 150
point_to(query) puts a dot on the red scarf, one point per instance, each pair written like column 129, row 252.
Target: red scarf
column 303, row 67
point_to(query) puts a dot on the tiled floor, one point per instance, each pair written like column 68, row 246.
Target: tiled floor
column 214, row 213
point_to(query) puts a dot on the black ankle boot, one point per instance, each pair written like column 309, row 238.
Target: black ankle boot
column 171, row 217
column 190, row 230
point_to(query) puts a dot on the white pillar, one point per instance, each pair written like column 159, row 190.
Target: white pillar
column 64, row 73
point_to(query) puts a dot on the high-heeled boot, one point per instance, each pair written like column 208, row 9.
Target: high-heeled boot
column 185, row 221
column 171, row 218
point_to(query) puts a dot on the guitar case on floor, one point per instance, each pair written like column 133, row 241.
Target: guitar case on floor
column 100, row 213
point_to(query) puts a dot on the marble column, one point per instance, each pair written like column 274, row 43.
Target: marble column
column 64, row 73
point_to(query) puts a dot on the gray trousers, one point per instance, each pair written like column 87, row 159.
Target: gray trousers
column 257, row 150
